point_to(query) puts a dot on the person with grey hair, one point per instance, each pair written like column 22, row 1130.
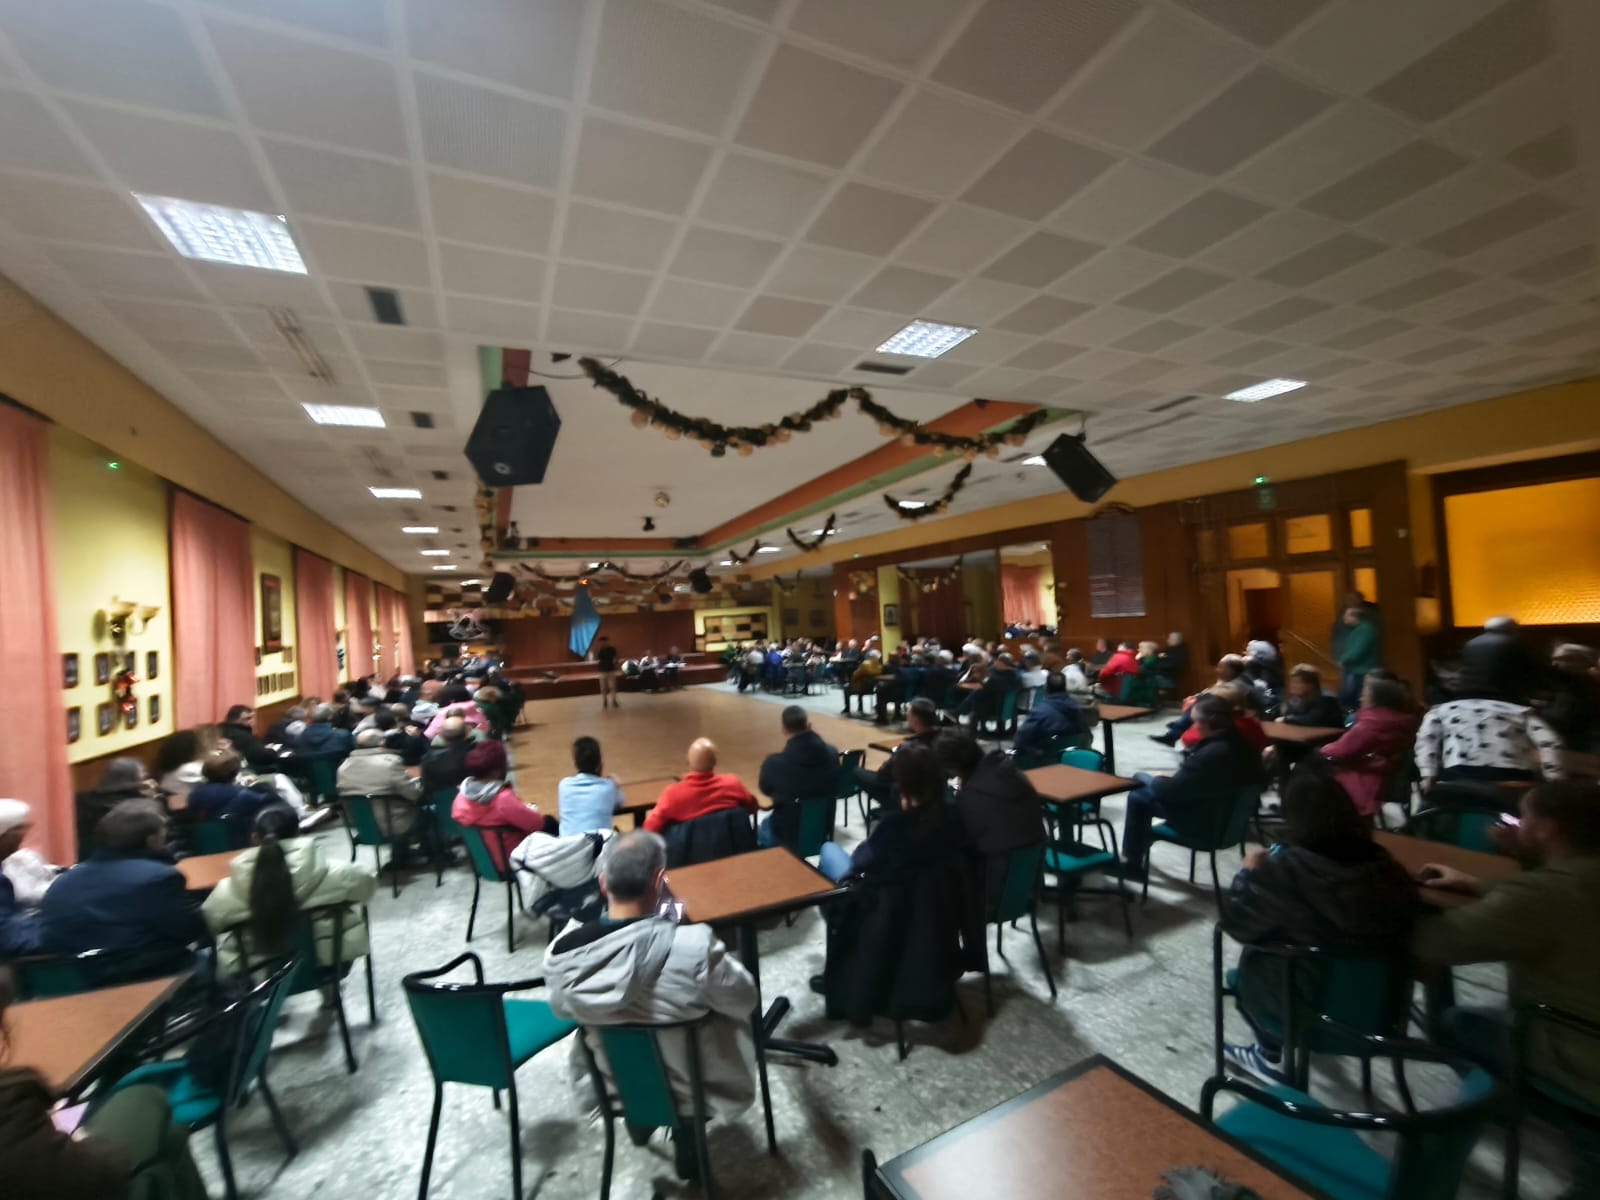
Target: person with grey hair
column 372, row 769
column 322, row 738
column 636, row 968
column 287, row 728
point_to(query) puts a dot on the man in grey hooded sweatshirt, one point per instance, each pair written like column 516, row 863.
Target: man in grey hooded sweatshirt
column 632, row 967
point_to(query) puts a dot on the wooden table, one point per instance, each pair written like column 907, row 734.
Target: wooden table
column 740, row 890
column 1115, row 714
column 1096, row 1130
column 204, row 871
column 1300, row 735
column 68, row 1039
column 1069, row 785
column 1414, row 853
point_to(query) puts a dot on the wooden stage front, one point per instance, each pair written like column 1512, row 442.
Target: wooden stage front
column 648, row 737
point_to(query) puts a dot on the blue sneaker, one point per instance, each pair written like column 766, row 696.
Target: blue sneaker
column 1251, row 1059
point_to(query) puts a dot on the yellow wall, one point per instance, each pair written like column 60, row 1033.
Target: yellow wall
column 981, row 589
column 889, row 593
column 51, row 368
column 1532, row 553
column 110, row 540
column 274, row 556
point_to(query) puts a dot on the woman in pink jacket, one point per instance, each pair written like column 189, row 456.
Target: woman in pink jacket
column 1377, row 745
column 486, row 800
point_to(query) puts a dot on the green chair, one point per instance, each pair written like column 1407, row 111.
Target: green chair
column 322, row 779
column 243, row 1030
column 1324, row 1147
column 42, row 976
column 1215, row 827
column 1139, row 690
column 849, row 786
column 637, row 1088
column 363, row 828
column 1085, row 758
column 446, row 833
column 1005, row 722
column 485, row 868
column 1019, row 897
column 473, row 1034
column 816, row 824
column 1071, row 860
column 212, row 837
column 1457, row 825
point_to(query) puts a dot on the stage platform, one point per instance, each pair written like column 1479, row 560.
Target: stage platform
column 581, row 679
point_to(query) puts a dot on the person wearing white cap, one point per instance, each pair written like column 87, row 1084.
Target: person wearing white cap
column 19, row 929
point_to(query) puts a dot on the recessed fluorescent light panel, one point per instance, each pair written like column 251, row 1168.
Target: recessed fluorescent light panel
column 233, row 236
column 344, row 414
column 435, row 553
column 1266, row 390
column 769, row 550
column 444, row 566
column 1036, row 461
column 913, row 504
column 419, row 529
column 926, row 339
column 395, row 493
column 470, row 582
column 727, row 562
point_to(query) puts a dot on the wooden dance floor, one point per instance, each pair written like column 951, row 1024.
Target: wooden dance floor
column 647, row 738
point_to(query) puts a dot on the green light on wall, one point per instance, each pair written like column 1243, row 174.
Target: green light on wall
column 113, row 465
column 1261, row 479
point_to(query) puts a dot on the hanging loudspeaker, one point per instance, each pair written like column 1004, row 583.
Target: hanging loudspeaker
column 700, row 581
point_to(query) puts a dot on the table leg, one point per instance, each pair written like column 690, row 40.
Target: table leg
column 1111, row 747
column 750, row 952
column 777, row 1010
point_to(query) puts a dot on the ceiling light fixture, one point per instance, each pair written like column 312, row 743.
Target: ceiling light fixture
column 470, row 582
column 435, row 553
column 288, row 325
column 1036, row 461
column 419, row 529
column 1266, row 390
column 926, row 339
column 913, row 504
column 393, row 493
column 234, row 236
column 727, row 562
column 444, row 566
column 769, row 549
column 345, row 414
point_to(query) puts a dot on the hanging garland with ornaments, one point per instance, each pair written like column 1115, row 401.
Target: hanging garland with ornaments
column 739, row 560
column 932, row 583
column 745, row 439
column 827, row 532
column 915, row 512
column 787, row 587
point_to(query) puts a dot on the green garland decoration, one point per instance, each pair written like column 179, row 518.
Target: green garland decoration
column 938, row 506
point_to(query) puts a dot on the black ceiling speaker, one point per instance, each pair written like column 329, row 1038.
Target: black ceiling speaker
column 500, row 588
column 700, row 581
column 516, row 431
column 1085, row 475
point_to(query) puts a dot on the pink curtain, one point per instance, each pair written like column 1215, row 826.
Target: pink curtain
column 386, row 634
column 316, row 634
column 1019, row 590
column 358, row 625
column 402, row 624
column 213, row 606
column 33, row 753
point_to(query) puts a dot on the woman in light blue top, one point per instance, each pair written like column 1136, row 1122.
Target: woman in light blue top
column 589, row 799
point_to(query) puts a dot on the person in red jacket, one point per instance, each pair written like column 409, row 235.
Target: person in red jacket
column 1123, row 662
column 1245, row 721
column 486, row 800
column 1376, row 746
column 701, row 792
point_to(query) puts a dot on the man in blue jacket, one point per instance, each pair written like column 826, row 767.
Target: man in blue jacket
column 805, row 768
column 322, row 739
column 1056, row 714
column 126, row 898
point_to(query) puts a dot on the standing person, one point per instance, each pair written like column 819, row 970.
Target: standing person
column 605, row 661
column 588, row 799
column 1359, row 653
column 1499, row 659
column 806, row 768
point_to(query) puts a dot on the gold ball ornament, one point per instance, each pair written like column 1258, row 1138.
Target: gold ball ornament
column 673, row 433
column 640, row 418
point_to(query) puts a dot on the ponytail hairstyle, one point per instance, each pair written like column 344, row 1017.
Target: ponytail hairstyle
column 272, row 906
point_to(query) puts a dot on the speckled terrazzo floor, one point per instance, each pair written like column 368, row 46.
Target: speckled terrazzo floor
column 1147, row 1005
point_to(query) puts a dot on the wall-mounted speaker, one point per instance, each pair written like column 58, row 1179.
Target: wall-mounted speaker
column 1085, row 475
column 500, row 589
column 515, row 433
column 700, row 581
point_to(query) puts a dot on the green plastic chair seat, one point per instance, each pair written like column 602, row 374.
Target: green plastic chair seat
column 531, row 1026
column 816, row 825
column 1084, row 758
column 192, row 1104
column 212, row 837
column 1337, row 1161
column 1166, row 833
column 1075, row 858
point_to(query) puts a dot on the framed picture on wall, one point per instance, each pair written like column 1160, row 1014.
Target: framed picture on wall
column 258, row 656
column 130, row 662
column 891, row 616
column 105, row 718
column 102, row 668
column 791, row 617
column 69, row 670
column 155, row 710
column 74, row 724
column 288, row 654
column 152, row 663
column 271, row 613
column 130, row 717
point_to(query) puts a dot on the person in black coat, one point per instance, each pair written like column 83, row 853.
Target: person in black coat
column 805, row 768
column 997, row 804
column 1327, row 884
column 221, row 797
column 1055, row 714
column 986, row 703
column 939, row 677
column 445, row 765
column 1210, row 775
column 322, row 738
column 239, row 728
column 1304, row 703
column 1500, row 662
column 127, row 898
column 922, row 718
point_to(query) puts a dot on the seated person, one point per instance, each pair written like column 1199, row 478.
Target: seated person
column 634, row 968
column 321, row 738
column 1377, row 745
column 445, row 764
column 123, row 779
column 914, row 831
column 487, row 800
column 939, row 677
column 178, row 759
column 1574, row 707
column 1230, row 669
column 19, row 920
column 268, row 884
column 671, row 665
column 1123, row 664
column 239, row 728
column 127, row 897
column 1210, row 774
column 1033, row 674
column 1054, row 715
column 1263, row 668
column 286, row 730
column 1079, row 685
column 589, row 799
column 650, row 671
column 372, row 769
column 997, row 804
column 1244, row 720
column 1305, row 703
column 1485, row 738
column 221, row 797
column 865, row 677
column 1101, row 656
column 898, row 689
column 806, row 768
column 1540, row 923
column 699, row 793
column 986, row 702
column 1326, row 884
column 404, row 736
column 1172, row 660
column 922, row 719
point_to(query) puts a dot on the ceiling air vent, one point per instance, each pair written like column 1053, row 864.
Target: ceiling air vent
column 385, row 306
column 441, row 474
column 877, row 368
column 422, row 420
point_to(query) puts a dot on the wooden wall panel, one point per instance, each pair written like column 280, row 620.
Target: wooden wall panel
column 531, row 641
